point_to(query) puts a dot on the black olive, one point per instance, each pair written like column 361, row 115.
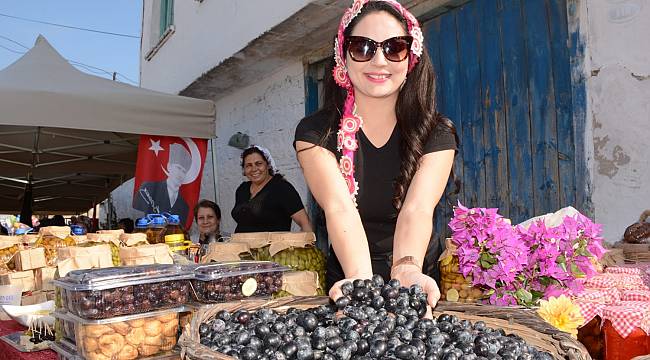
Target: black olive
column 248, row 353
column 346, row 288
column 289, row 349
column 272, row 341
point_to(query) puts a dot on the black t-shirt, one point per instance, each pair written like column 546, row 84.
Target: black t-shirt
column 376, row 170
column 269, row 210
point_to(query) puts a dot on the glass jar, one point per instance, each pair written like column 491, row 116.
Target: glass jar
column 177, row 244
column 618, row 347
column 456, row 287
column 622, row 330
column 590, row 335
column 155, row 229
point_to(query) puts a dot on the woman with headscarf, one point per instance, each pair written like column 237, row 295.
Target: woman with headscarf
column 267, row 202
column 377, row 157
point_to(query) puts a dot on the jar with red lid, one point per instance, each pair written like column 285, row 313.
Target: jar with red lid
column 625, row 328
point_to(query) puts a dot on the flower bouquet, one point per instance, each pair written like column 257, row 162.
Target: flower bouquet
column 519, row 265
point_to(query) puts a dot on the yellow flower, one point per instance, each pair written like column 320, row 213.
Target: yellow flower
column 561, row 313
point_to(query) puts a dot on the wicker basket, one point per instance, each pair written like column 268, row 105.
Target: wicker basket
column 636, row 253
column 523, row 322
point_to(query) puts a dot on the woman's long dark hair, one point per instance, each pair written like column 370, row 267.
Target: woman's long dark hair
column 415, row 109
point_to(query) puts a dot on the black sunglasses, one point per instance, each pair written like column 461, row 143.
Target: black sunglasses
column 362, row 49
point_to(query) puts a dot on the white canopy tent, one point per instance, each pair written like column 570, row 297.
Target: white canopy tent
column 76, row 134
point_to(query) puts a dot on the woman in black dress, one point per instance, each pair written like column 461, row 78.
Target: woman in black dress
column 267, row 202
column 377, row 157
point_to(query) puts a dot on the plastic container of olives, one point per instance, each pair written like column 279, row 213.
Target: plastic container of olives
column 125, row 337
column 230, row 281
column 110, row 292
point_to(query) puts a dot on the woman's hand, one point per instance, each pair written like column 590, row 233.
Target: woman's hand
column 408, row 275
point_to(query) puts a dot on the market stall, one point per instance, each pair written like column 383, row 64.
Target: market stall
column 76, row 135
column 536, row 290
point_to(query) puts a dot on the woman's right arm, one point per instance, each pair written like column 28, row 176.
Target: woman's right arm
column 344, row 226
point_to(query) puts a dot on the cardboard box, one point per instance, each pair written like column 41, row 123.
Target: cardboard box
column 25, row 279
column 30, row 259
column 44, row 277
column 36, row 297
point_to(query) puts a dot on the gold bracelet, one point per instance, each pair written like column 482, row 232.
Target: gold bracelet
column 410, row 260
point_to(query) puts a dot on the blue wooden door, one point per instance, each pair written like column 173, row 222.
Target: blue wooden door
column 504, row 78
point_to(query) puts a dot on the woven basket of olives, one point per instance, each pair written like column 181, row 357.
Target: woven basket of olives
column 372, row 320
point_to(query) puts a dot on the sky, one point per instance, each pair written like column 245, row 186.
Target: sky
column 98, row 51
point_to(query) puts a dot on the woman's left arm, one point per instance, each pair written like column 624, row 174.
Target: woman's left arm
column 301, row 218
column 414, row 222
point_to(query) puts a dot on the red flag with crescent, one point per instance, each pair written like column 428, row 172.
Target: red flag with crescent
column 168, row 175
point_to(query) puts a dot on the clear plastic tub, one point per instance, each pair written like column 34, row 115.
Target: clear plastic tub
column 64, row 330
column 64, row 351
column 223, row 282
column 109, row 292
column 126, row 337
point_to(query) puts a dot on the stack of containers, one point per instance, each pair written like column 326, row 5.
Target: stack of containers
column 122, row 312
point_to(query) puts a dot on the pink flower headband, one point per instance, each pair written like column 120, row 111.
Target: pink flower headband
column 350, row 121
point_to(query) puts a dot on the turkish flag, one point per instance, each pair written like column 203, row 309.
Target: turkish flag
column 168, row 175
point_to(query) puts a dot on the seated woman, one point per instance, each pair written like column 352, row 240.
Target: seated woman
column 267, row 202
column 207, row 215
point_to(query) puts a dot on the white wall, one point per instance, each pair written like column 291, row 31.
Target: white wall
column 268, row 112
column 206, row 33
column 619, row 103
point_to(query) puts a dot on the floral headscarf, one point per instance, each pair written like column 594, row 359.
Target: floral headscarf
column 350, row 121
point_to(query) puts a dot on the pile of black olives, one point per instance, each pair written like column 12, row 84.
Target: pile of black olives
column 372, row 320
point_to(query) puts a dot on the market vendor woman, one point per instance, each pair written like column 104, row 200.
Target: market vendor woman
column 267, row 202
column 377, row 157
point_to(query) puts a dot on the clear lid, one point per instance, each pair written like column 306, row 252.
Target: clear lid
column 229, row 269
column 63, row 315
column 108, row 278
